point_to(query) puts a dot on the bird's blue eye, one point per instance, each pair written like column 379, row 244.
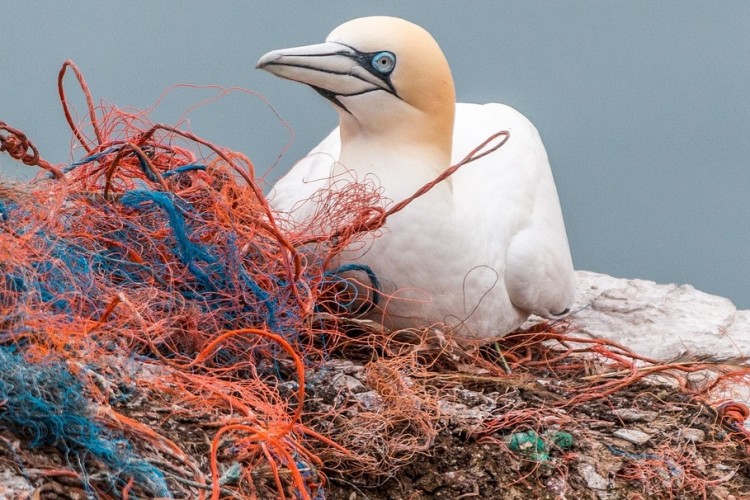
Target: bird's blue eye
column 383, row 62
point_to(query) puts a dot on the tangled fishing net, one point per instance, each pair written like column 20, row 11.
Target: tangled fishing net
column 164, row 334
column 144, row 251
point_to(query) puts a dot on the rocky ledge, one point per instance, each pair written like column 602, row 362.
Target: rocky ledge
column 660, row 321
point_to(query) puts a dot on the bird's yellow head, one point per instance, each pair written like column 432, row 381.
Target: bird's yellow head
column 386, row 76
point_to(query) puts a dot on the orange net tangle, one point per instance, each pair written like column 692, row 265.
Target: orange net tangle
column 155, row 263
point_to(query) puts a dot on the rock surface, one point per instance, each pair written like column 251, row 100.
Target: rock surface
column 632, row 436
column 664, row 322
column 660, row 321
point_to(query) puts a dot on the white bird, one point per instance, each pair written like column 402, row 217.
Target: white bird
column 483, row 249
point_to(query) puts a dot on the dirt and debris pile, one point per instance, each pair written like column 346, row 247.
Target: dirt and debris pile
column 446, row 429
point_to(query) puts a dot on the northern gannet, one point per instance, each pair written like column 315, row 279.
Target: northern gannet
column 482, row 250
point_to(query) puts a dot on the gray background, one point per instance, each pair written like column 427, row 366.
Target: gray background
column 643, row 105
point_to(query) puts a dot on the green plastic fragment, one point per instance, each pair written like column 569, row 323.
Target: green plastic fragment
column 530, row 444
column 562, row 439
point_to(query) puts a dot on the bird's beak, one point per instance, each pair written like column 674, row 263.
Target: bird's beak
column 333, row 69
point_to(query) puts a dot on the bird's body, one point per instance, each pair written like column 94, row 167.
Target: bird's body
column 481, row 250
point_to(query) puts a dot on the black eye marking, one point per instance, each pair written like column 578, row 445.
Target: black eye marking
column 369, row 62
column 383, row 62
column 379, row 64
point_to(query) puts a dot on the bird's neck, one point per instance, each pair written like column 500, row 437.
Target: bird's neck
column 403, row 158
column 399, row 168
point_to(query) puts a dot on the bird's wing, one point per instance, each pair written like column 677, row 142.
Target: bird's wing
column 292, row 193
column 511, row 199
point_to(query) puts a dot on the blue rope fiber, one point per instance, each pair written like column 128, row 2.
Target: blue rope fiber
column 310, row 477
column 218, row 274
column 674, row 470
column 67, row 273
column 188, row 251
column 44, row 403
column 335, row 275
column 142, row 162
column 235, row 265
column 90, row 158
column 183, row 169
column 6, row 207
